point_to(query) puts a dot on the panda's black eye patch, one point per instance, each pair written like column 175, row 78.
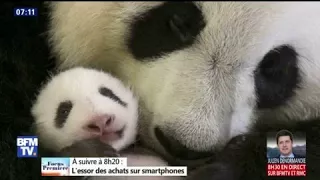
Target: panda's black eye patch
column 276, row 77
column 180, row 27
column 109, row 93
column 164, row 29
column 62, row 113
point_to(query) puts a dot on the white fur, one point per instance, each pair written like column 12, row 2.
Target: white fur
column 199, row 105
column 81, row 86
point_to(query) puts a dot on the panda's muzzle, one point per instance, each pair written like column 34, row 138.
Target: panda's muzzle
column 178, row 150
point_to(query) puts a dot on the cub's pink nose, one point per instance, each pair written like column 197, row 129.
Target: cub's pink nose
column 100, row 123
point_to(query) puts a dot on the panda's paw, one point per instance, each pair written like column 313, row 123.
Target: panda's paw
column 236, row 142
column 216, row 171
column 89, row 148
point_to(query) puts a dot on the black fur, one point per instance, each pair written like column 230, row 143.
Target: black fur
column 110, row 94
column 24, row 65
column 277, row 76
column 214, row 171
column 176, row 149
column 164, row 29
column 63, row 111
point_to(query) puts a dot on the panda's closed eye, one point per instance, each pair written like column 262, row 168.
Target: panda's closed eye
column 109, row 93
column 62, row 113
column 277, row 76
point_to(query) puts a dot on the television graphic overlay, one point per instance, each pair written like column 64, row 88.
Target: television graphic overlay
column 27, row 146
column 55, row 166
column 286, row 153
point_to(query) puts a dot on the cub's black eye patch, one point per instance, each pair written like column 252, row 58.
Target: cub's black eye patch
column 164, row 29
column 276, row 77
column 62, row 113
column 108, row 93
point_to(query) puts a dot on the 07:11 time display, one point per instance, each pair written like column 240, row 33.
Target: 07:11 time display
column 25, row 11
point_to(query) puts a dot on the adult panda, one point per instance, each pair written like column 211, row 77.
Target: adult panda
column 205, row 71
column 202, row 69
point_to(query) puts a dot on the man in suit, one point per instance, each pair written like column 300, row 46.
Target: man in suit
column 285, row 144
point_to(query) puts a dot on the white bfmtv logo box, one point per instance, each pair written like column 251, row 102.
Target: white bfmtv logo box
column 55, row 166
column 27, row 146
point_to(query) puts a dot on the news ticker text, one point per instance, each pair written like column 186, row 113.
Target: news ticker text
column 116, row 166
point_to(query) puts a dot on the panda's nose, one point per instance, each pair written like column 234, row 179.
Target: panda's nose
column 176, row 149
column 100, row 123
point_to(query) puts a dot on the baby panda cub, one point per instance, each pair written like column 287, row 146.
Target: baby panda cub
column 82, row 103
column 87, row 112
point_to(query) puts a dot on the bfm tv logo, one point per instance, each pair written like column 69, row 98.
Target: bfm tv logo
column 27, row 146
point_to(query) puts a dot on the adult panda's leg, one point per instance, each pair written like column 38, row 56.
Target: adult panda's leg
column 24, row 64
column 244, row 157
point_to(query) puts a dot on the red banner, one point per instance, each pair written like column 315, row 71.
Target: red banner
column 286, row 169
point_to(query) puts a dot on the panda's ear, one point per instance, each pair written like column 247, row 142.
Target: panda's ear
column 276, row 77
